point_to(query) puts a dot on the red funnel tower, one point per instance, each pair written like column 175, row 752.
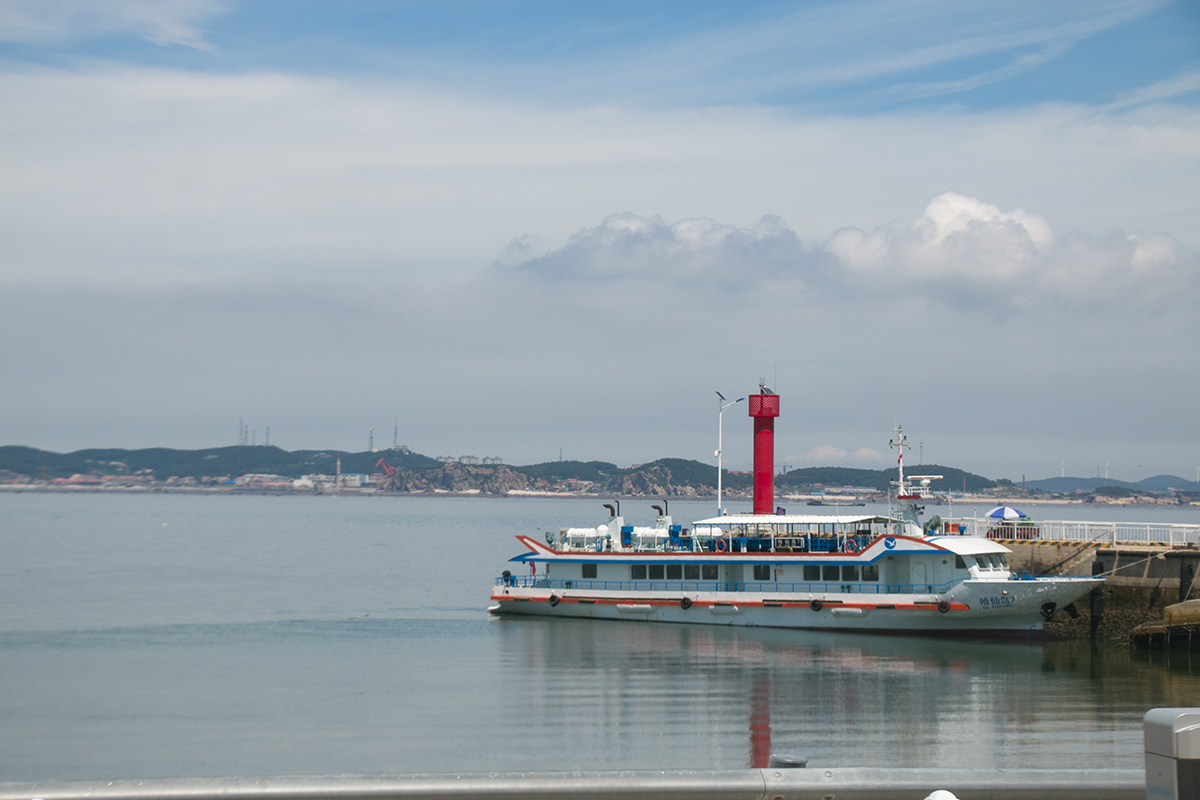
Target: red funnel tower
column 764, row 407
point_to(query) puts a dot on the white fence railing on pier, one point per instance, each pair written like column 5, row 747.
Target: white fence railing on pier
column 1115, row 533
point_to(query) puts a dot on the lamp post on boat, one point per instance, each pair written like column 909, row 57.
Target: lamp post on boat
column 720, row 414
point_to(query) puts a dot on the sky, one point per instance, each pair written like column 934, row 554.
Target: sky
column 520, row 228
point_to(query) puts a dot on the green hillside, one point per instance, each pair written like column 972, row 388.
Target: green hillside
column 684, row 472
column 596, row 471
column 952, row 479
column 164, row 462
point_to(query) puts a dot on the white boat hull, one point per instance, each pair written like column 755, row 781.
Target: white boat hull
column 971, row 608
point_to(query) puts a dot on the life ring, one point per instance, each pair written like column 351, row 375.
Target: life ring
column 720, row 546
column 943, row 606
column 554, row 600
column 815, row 605
column 685, row 603
column 849, row 546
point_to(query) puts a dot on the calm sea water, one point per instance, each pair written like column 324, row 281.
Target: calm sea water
column 172, row 636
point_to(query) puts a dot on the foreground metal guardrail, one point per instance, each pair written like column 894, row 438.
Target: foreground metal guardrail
column 852, row 783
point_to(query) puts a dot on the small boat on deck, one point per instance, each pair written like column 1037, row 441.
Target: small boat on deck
column 863, row 573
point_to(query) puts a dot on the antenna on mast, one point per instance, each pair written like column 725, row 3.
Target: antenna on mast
column 900, row 443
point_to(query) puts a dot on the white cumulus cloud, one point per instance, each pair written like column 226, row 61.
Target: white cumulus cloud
column 956, row 235
column 867, row 455
column 825, row 454
column 962, row 249
column 831, row 455
column 627, row 245
column 960, row 252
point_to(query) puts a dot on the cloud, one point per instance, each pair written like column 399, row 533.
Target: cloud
column 956, row 236
column 961, row 251
column 134, row 176
column 856, row 47
column 163, row 22
column 689, row 252
column 830, row 455
column 825, row 454
column 1184, row 83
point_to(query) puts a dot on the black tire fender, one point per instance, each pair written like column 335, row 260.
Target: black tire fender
column 943, row 606
column 685, row 603
column 815, row 605
column 554, row 600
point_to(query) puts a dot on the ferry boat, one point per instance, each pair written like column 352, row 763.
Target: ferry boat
column 864, row 573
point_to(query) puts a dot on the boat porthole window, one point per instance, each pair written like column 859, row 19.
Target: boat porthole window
column 959, row 563
column 656, row 572
column 589, row 570
column 710, row 572
column 691, row 572
column 850, row 572
column 812, row 572
column 674, row 572
column 831, row 572
column 870, row 572
column 637, row 572
column 762, row 572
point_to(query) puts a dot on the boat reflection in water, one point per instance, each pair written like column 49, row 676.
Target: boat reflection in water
column 734, row 695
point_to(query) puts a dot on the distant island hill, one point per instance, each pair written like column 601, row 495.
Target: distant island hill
column 263, row 468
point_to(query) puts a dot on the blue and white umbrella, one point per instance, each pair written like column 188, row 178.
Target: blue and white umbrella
column 1004, row 512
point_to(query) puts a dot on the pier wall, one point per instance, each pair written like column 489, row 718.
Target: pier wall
column 1142, row 580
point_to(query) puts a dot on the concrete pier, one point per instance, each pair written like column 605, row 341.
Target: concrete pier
column 1142, row 580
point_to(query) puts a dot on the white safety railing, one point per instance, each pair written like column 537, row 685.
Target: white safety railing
column 1129, row 533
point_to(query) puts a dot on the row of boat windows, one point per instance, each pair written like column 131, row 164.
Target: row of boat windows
column 670, row 572
column 762, row 572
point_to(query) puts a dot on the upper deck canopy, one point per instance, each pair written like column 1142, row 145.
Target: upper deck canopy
column 738, row 520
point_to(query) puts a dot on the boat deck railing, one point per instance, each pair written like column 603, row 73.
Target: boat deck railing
column 789, row 543
column 766, row 587
column 1112, row 533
